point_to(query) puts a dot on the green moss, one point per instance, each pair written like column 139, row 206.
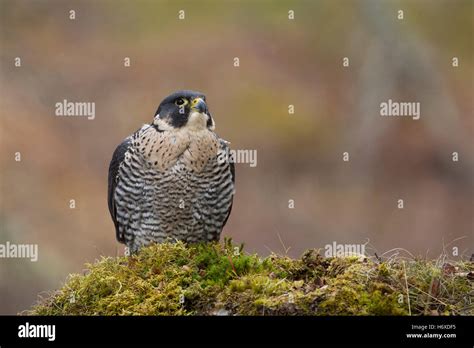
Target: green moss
column 207, row 279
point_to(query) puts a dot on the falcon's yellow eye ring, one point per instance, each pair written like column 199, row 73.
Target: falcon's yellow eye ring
column 181, row 102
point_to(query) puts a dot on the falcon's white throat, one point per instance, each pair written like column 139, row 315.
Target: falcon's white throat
column 197, row 121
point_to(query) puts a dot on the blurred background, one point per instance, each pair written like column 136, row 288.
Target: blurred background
column 300, row 155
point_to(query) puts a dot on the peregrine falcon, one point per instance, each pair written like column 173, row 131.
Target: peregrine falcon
column 171, row 180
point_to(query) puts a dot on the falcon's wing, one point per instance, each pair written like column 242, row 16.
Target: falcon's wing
column 232, row 172
column 117, row 159
column 225, row 145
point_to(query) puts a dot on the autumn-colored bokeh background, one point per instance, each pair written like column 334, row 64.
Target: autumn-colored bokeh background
column 300, row 155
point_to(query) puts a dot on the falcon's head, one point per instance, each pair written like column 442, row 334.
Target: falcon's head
column 184, row 109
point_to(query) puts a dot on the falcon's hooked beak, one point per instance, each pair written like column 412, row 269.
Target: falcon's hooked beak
column 199, row 105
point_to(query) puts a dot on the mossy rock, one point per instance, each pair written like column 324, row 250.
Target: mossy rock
column 220, row 279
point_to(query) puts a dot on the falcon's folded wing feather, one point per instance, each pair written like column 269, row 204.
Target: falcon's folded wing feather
column 232, row 172
column 117, row 159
